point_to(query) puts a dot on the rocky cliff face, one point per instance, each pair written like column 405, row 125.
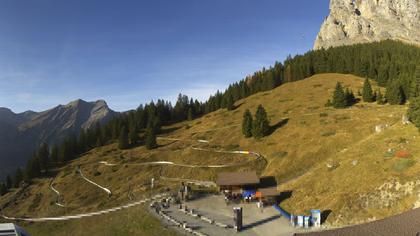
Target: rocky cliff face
column 361, row 21
column 21, row 134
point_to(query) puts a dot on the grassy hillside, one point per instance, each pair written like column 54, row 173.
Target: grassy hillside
column 330, row 159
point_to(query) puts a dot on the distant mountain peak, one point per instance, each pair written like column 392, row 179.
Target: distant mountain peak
column 5, row 110
column 22, row 133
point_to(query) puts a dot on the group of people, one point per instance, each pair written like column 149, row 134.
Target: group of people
column 237, row 197
column 231, row 197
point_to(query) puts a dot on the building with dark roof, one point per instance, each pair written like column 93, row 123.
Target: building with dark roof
column 237, row 181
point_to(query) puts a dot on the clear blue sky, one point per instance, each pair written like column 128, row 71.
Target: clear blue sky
column 129, row 52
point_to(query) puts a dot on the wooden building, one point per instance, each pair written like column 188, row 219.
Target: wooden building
column 267, row 194
column 236, row 182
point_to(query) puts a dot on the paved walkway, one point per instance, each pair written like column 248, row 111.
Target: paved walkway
column 256, row 223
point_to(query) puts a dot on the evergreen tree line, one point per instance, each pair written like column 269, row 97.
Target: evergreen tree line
column 394, row 94
column 257, row 127
column 391, row 64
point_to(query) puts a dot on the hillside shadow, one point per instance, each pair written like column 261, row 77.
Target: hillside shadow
column 284, row 196
column 324, row 215
column 168, row 130
column 237, row 106
column 278, row 125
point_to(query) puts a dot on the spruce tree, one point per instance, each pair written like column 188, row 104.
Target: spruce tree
column 413, row 112
column 3, row 189
column 380, row 98
column 350, row 98
column 150, row 138
column 134, row 136
column 229, row 103
column 261, row 125
column 395, row 94
column 33, row 168
column 9, row 182
column 415, row 88
column 339, row 97
column 123, row 139
column 247, row 124
column 367, row 93
column 18, row 177
column 190, row 114
column 64, row 153
column 54, row 154
column 44, row 156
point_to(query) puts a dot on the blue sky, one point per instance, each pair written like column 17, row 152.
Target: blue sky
column 129, row 52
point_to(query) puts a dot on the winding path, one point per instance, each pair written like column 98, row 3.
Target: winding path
column 79, row 216
column 170, row 163
column 108, row 191
column 57, row 201
column 95, row 184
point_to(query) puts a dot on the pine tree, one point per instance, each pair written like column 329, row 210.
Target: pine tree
column 33, row 168
column 44, row 157
column 64, row 152
column 413, row 112
column 123, row 139
column 134, row 136
column 150, row 138
column 367, row 93
column 415, row 88
column 3, row 189
column 380, row 98
column 394, row 94
column 54, row 154
column 350, row 98
column 229, row 103
column 339, row 97
column 261, row 125
column 18, row 177
column 190, row 114
column 9, row 182
column 247, row 124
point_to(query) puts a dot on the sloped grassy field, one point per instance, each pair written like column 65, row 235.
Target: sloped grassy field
column 330, row 159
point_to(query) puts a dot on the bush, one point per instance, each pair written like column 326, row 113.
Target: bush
column 403, row 164
column 328, row 133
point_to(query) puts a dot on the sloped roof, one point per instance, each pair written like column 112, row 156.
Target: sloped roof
column 237, row 178
column 269, row 192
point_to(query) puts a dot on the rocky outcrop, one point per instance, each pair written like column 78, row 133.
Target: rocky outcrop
column 362, row 21
column 21, row 133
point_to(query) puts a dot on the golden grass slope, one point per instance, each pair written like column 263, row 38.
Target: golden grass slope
column 308, row 137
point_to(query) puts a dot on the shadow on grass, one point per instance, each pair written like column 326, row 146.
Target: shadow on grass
column 284, row 196
column 168, row 130
column 278, row 125
column 324, row 215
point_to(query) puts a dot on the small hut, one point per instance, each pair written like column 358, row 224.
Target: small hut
column 268, row 194
column 237, row 182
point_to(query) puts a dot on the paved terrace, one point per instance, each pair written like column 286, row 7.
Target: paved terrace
column 256, row 223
